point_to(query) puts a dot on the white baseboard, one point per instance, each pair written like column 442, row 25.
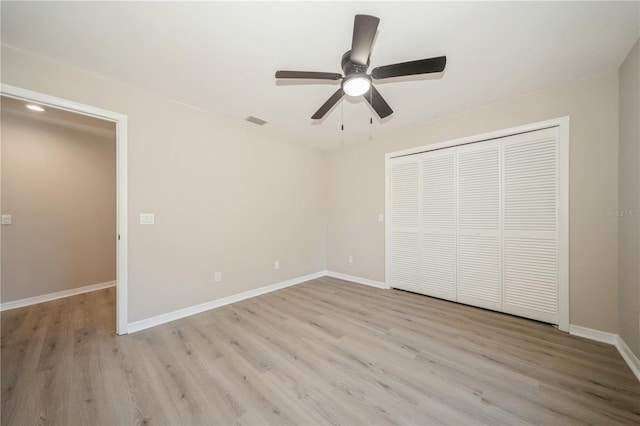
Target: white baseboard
column 53, row 296
column 359, row 280
column 613, row 339
column 630, row 358
column 196, row 309
column 591, row 334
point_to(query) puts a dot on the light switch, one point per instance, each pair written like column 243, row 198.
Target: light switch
column 380, row 217
column 6, row 219
column 147, row 218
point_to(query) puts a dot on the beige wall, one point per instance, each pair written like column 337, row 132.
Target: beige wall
column 60, row 187
column 629, row 232
column 356, row 189
column 231, row 197
column 228, row 196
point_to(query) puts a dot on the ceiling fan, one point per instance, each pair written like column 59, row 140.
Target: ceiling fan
column 356, row 81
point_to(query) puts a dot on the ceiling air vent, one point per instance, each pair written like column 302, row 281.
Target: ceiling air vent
column 255, row 120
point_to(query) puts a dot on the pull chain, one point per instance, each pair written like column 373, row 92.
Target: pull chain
column 371, row 113
column 342, row 122
column 371, row 103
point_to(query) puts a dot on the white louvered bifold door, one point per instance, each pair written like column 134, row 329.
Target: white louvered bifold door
column 479, row 224
column 405, row 223
column 479, row 236
column 438, row 216
column 530, row 235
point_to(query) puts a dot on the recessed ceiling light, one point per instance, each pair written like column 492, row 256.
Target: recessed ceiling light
column 35, row 108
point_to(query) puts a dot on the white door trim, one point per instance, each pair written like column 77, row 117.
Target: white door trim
column 563, row 193
column 121, row 184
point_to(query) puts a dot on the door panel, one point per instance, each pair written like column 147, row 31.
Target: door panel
column 530, row 246
column 405, row 224
column 438, row 217
column 479, row 258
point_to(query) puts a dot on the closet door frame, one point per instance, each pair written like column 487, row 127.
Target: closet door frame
column 563, row 125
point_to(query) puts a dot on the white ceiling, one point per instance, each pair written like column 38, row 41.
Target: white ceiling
column 222, row 56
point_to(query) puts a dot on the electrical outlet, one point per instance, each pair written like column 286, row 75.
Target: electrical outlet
column 218, row 276
column 350, row 259
column 276, row 264
column 6, row 219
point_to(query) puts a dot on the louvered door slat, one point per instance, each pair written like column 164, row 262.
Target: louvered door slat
column 438, row 245
column 479, row 271
column 531, row 287
column 479, row 267
column 404, row 194
column 405, row 262
column 530, row 175
column 439, row 266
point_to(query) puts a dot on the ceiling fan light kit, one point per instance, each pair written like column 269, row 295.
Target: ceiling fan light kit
column 356, row 84
column 355, row 62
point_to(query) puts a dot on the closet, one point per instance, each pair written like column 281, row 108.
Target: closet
column 479, row 224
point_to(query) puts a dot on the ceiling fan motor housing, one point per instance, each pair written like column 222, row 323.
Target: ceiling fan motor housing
column 350, row 68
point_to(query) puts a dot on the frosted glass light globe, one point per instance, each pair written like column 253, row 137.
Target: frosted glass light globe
column 356, row 86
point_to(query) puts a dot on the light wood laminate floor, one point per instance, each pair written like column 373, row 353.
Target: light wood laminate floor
column 323, row 352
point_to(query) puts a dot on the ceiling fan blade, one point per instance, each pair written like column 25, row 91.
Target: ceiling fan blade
column 364, row 31
column 324, row 109
column 377, row 102
column 309, row 74
column 422, row 66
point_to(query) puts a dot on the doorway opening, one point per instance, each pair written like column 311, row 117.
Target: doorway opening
column 80, row 117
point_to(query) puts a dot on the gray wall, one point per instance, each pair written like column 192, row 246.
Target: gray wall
column 629, row 233
column 59, row 185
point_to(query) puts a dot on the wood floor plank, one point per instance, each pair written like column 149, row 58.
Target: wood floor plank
column 323, row 352
column 304, row 370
